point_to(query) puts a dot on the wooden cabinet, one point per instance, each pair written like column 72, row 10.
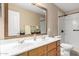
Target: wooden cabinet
column 51, row 46
column 38, row 51
column 51, row 49
column 52, row 52
column 58, row 51
column 58, row 48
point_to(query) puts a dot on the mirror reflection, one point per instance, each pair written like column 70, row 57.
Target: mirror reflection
column 26, row 18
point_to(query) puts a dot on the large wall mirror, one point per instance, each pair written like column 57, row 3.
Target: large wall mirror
column 26, row 19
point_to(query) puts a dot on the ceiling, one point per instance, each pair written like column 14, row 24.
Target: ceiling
column 68, row 7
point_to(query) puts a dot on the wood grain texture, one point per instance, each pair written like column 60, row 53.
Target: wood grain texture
column 38, row 51
column 51, row 46
column 52, row 52
column 5, row 19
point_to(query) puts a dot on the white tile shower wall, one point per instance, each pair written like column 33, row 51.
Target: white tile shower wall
column 72, row 23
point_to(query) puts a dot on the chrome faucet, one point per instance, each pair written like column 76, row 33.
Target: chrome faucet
column 21, row 41
column 34, row 37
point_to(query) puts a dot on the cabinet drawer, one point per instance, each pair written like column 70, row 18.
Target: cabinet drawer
column 58, row 43
column 38, row 51
column 52, row 53
column 51, row 46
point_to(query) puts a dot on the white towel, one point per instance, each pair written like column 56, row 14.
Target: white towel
column 27, row 29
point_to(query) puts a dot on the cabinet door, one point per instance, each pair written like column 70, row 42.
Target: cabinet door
column 58, row 51
column 58, row 48
column 51, row 46
column 38, row 51
column 52, row 52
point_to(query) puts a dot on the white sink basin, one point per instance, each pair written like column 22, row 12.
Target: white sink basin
column 32, row 41
column 9, row 45
column 6, row 47
column 44, row 39
column 29, row 41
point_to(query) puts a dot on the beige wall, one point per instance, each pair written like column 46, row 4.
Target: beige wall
column 53, row 13
column 27, row 17
column 60, row 13
column 52, row 26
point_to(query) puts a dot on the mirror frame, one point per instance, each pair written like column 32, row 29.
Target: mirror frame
column 6, row 22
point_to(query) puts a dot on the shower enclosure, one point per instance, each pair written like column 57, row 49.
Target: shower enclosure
column 69, row 29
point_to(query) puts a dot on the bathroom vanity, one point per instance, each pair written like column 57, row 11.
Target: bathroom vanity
column 38, row 47
column 51, row 49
